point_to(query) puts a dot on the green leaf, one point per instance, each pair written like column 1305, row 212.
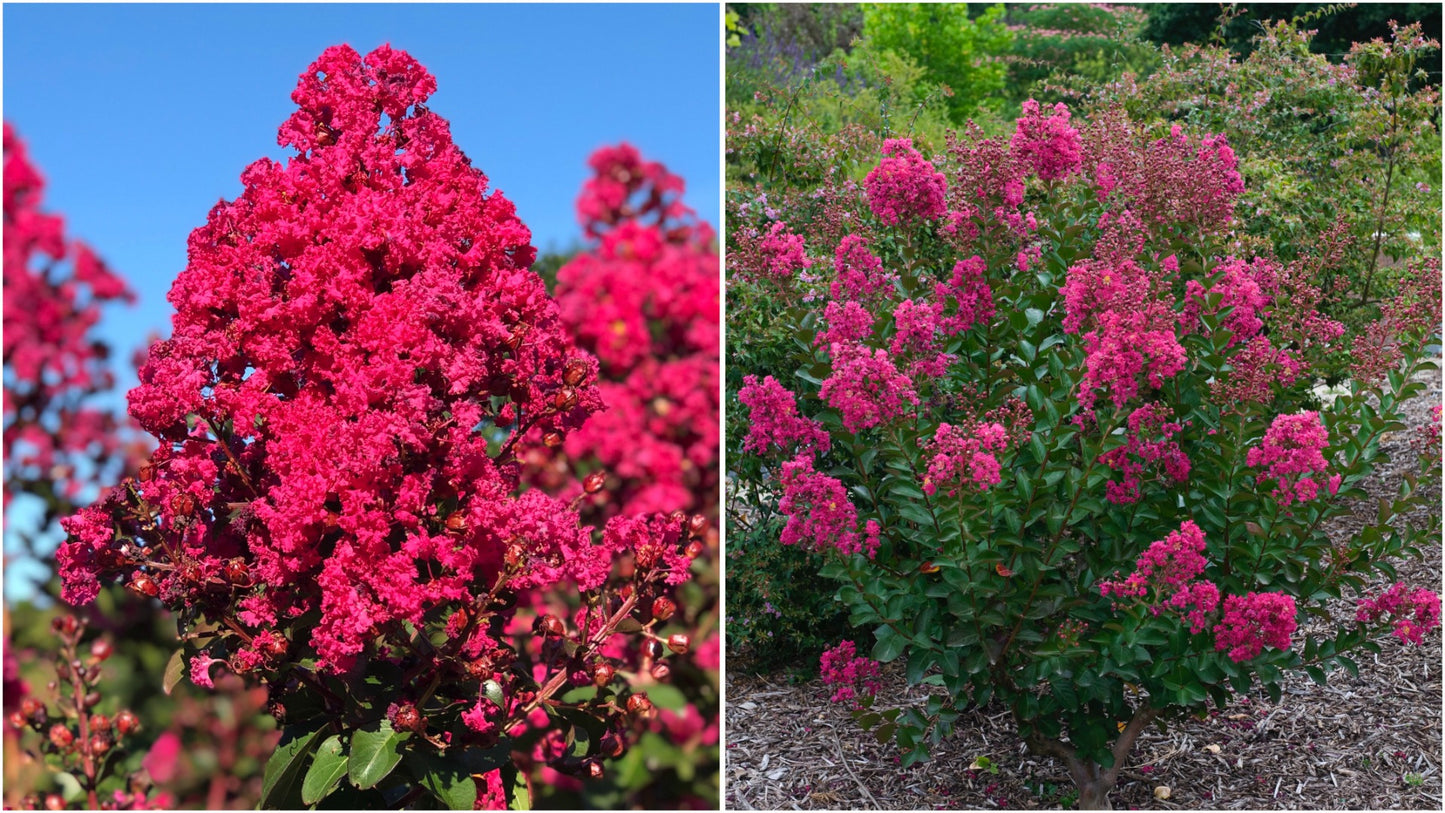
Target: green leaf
column 281, row 783
column 325, row 772
column 449, row 778
column 375, row 753
column 519, row 797
column 175, row 668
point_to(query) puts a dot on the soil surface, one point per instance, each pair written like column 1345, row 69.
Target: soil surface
column 1367, row 742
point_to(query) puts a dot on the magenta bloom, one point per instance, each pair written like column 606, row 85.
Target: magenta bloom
column 858, row 274
column 904, row 186
column 1292, row 455
column 865, row 387
column 1415, row 612
column 358, row 348
column 965, row 456
column 1047, row 143
column 1253, row 621
column 820, row 515
column 849, row 674
column 775, row 419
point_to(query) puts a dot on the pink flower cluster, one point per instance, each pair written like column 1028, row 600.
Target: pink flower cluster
column 858, row 275
column 1047, row 143
column 1292, row 454
column 1253, row 621
column 905, row 187
column 358, row 346
column 611, row 195
column 1415, row 612
column 820, row 515
column 1150, row 443
column 54, row 364
column 965, row 456
column 645, row 301
column 775, row 419
column 968, row 289
column 865, row 387
column 849, row 674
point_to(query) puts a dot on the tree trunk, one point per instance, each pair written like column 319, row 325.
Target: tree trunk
column 1095, row 795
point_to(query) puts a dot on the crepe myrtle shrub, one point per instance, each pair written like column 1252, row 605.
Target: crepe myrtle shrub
column 334, row 509
column 1031, row 427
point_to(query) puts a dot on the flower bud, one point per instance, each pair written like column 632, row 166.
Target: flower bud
column 16, row 720
column 99, row 744
column 30, row 708
column 457, row 522
column 679, row 643
column 697, row 525
column 594, row 769
column 127, row 723
column 60, row 736
column 100, row 649
column 565, row 399
column 144, row 586
column 92, row 674
column 613, row 746
column 54, row 801
column 551, row 625
column 99, row 722
column 552, row 439
column 677, row 518
column 183, row 504
column 236, row 571
column 594, row 482
column 663, row 608
column 62, row 670
column 65, row 624
column 92, row 700
column 640, row 705
column 653, row 648
column 407, row 718
column 661, row 671
column 602, row 675
column 693, row 550
column 574, row 373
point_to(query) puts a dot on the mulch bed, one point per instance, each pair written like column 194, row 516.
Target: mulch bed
column 1367, row 742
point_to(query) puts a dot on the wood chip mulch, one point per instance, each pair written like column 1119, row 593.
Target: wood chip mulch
column 1372, row 742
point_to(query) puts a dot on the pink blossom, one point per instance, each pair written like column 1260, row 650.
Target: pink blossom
column 905, row 186
column 858, row 273
column 1047, row 143
column 865, row 387
column 849, row 674
column 1292, row 454
column 965, row 456
column 1253, row 621
column 1150, row 443
column 775, row 421
column 1414, row 612
column 820, row 515
column 968, row 290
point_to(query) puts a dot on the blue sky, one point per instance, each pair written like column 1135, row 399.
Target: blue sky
column 142, row 117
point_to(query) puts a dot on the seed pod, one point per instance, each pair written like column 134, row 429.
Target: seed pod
column 663, row 608
column 60, row 736
column 127, row 723
column 602, row 675
column 640, row 705
column 679, row 643
column 697, row 526
column 594, row 482
column 661, row 671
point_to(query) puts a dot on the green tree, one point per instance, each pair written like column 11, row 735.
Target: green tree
column 953, row 48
